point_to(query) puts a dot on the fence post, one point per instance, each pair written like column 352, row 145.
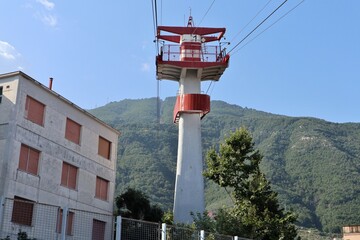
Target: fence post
column 2, row 207
column 118, row 227
column 163, row 231
column 202, row 235
column 236, row 238
column 64, row 222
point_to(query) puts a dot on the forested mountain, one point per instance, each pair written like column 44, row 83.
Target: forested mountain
column 313, row 164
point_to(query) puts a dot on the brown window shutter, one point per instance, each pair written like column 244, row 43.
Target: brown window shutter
column 104, row 190
column 34, row 111
column 29, row 159
column 33, row 161
column 24, row 155
column 98, row 231
column 72, row 131
column 70, row 219
column 72, row 177
column 22, row 211
column 101, row 190
column 64, row 174
column 59, row 220
column 69, row 175
column 98, row 187
column 104, row 147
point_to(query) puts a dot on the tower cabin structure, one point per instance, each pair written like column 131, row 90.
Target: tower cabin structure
column 189, row 61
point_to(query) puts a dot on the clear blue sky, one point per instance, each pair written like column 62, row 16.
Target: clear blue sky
column 307, row 64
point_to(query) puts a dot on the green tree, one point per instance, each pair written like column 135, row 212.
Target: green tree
column 135, row 204
column 256, row 213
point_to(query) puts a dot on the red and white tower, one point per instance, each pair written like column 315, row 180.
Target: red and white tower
column 189, row 61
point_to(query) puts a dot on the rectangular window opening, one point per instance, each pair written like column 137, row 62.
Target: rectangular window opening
column 22, row 211
column 29, row 159
column 104, row 148
column 69, row 225
column 101, row 190
column 98, row 230
column 69, row 176
column 73, row 131
column 34, row 111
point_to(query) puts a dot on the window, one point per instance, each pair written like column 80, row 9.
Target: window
column 98, row 230
column 34, row 111
column 69, row 225
column 101, row 190
column 29, row 159
column 1, row 93
column 68, row 175
column 104, row 147
column 22, row 211
column 72, row 131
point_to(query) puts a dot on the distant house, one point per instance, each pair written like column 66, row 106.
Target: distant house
column 53, row 153
column 351, row 232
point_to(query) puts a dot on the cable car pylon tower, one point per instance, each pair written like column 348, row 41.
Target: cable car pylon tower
column 188, row 60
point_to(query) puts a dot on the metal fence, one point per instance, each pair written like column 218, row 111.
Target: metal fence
column 48, row 222
column 141, row 230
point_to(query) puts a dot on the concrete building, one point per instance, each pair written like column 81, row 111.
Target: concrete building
column 55, row 153
column 351, row 232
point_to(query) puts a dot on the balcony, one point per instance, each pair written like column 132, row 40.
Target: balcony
column 210, row 60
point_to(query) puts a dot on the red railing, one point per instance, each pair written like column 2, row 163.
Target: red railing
column 172, row 52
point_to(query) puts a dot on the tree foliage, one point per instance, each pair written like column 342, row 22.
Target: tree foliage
column 256, row 213
column 135, row 204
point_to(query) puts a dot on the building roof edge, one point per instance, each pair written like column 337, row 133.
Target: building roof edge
column 24, row 75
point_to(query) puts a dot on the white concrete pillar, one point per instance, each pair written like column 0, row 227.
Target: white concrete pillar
column 163, row 231
column 64, row 222
column 202, row 235
column 189, row 185
column 118, row 227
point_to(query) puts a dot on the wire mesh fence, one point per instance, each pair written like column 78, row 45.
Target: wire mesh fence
column 141, row 230
column 19, row 217
column 132, row 229
column 44, row 222
column 179, row 233
column 215, row 236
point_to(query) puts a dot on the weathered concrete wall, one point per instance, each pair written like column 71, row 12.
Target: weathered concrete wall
column 8, row 101
column 7, row 116
column 55, row 148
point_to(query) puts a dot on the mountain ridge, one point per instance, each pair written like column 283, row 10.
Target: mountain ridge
column 313, row 164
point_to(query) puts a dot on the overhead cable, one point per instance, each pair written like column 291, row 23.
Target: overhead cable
column 205, row 14
column 237, row 34
column 153, row 16
column 257, row 26
column 269, row 26
column 155, row 23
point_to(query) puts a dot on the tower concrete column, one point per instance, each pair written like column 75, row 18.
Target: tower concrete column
column 190, row 61
column 189, row 185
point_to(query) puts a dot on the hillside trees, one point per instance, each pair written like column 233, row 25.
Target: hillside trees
column 135, row 204
column 256, row 213
column 312, row 164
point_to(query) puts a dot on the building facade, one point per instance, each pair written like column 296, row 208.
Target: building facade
column 55, row 153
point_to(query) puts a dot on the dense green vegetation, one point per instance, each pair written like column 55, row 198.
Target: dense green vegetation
column 313, row 164
column 136, row 205
column 256, row 213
